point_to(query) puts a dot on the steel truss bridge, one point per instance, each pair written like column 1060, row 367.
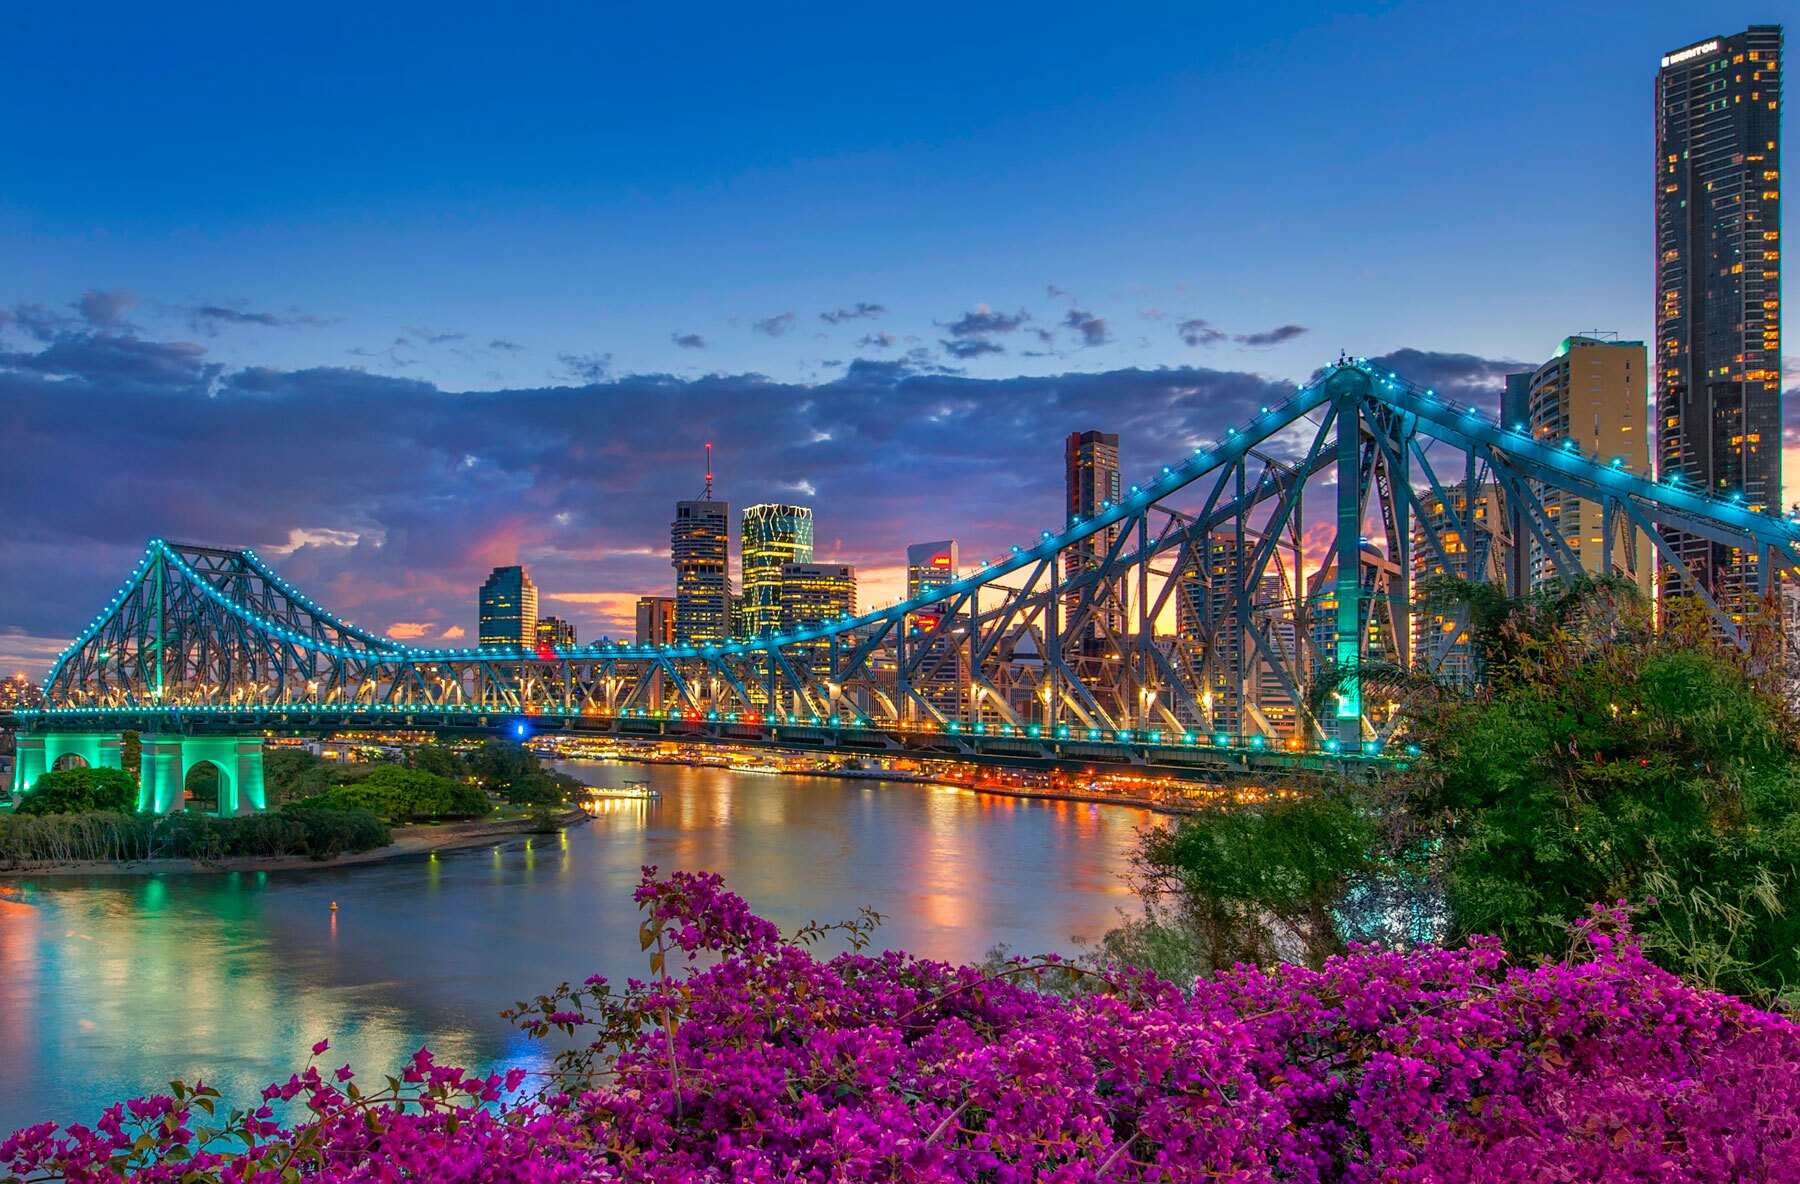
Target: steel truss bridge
column 1177, row 630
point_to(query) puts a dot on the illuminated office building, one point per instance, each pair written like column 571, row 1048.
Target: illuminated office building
column 1239, row 683
column 509, row 609
column 771, row 537
column 700, row 551
column 814, row 594
column 1718, row 288
column 1591, row 394
column 930, row 566
column 556, row 633
column 1440, row 643
column 656, row 620
column 739, row 631
column 1091, row 485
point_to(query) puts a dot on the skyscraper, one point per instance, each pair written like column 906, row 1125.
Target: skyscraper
column 1590, row 393
column 1091, row 485
column 929, row 566
column 556, row 633
column 814, row 594
column 1239, row 684
column 1472, row 542
column 1718, row 287
column 771, row 535
column 509, row 609
column 700, row 551
column 656, row 620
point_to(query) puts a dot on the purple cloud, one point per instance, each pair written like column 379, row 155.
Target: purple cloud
column 858, row 311
column 1198, row 332
column 1268, row 337
column 1091, row 328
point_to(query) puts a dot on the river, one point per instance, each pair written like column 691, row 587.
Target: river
column 111, row 986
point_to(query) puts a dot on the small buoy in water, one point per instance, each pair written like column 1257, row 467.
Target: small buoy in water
column 334, row 906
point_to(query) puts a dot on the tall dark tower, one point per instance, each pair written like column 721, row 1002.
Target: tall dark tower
column 1091, row 485
column 1718, row 288
column 699, row 550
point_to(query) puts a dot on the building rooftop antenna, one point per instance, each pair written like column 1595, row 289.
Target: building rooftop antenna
column 706, row 494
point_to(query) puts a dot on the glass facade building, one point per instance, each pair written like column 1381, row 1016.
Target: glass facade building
column 700, row 552
column 509, row 609
column 1718, row 288
column 772, row 536
column 930, row 566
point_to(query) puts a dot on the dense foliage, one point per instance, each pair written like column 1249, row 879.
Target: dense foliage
column 402, row 794
column 772, row 1063
column 62, row 838
column 1606, row 760
column 500, row 768
column 78, row 791
column 1261, row 885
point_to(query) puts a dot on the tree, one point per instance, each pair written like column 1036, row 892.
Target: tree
column 131, row 752
column 498, row 763
column 81, row 791
column 1253, row 883
column 283, row 772
column 439, row 759
column 537, row 789
column 393, row 792
column 1606, row 760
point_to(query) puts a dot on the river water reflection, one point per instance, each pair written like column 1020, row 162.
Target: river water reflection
column 109, row 987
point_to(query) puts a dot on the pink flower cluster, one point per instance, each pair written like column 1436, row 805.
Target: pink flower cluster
column 770, row 1063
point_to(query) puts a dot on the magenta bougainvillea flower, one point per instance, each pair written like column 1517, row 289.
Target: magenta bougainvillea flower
column 754, row 1059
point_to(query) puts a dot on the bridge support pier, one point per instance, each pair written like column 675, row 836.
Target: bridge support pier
column 167, row 760
column 36, row 753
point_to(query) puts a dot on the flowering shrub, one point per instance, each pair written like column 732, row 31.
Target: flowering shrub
column 761, row 1061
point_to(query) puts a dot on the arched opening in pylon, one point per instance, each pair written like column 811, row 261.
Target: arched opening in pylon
column 201, row 788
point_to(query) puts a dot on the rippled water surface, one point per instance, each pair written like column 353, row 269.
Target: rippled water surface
column 109, row 987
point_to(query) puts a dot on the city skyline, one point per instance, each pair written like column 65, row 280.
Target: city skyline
column 395, row 513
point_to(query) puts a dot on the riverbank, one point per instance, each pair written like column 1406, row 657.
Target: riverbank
column 409, row 842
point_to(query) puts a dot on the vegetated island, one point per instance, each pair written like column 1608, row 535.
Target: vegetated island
column 81, row 822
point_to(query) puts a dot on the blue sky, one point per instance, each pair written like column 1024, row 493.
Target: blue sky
column 535, row 198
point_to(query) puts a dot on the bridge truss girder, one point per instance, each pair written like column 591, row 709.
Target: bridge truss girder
column 1214, row 603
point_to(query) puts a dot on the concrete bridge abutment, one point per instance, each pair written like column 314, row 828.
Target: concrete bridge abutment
column 166, row 761
column 38, row 753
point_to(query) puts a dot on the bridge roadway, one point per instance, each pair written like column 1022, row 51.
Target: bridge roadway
column 1190, row 755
